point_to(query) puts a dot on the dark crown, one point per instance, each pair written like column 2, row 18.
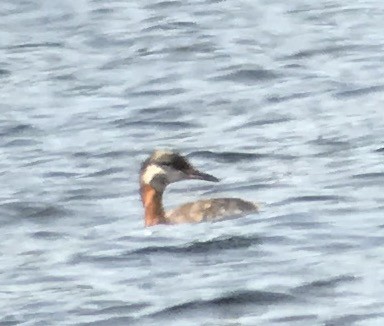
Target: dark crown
column 167, row 158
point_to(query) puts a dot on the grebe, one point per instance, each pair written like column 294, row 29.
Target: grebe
column 165, row 167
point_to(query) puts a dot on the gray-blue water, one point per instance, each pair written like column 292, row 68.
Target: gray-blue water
column 282, row 100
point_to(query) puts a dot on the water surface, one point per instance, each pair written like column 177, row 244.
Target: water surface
column 281, row 101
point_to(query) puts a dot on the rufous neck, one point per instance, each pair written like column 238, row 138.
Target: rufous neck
column 153, row 205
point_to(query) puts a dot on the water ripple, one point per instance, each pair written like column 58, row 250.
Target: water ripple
column 247, row 76
column 227, row 300
column 214, row 245
column 360, row 91
column 124, row 123
column 227, row 157
column 324, row 287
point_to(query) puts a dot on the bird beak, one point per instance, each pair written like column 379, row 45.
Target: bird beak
column 197, row 175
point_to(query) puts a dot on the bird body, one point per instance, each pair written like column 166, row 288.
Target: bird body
column 210, row 210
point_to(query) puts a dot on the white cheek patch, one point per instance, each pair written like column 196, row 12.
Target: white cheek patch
column 150, row 172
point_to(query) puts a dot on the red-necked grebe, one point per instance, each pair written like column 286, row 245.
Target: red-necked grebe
column 165, row 167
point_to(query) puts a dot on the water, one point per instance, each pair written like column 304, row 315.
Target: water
column 282, row 101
